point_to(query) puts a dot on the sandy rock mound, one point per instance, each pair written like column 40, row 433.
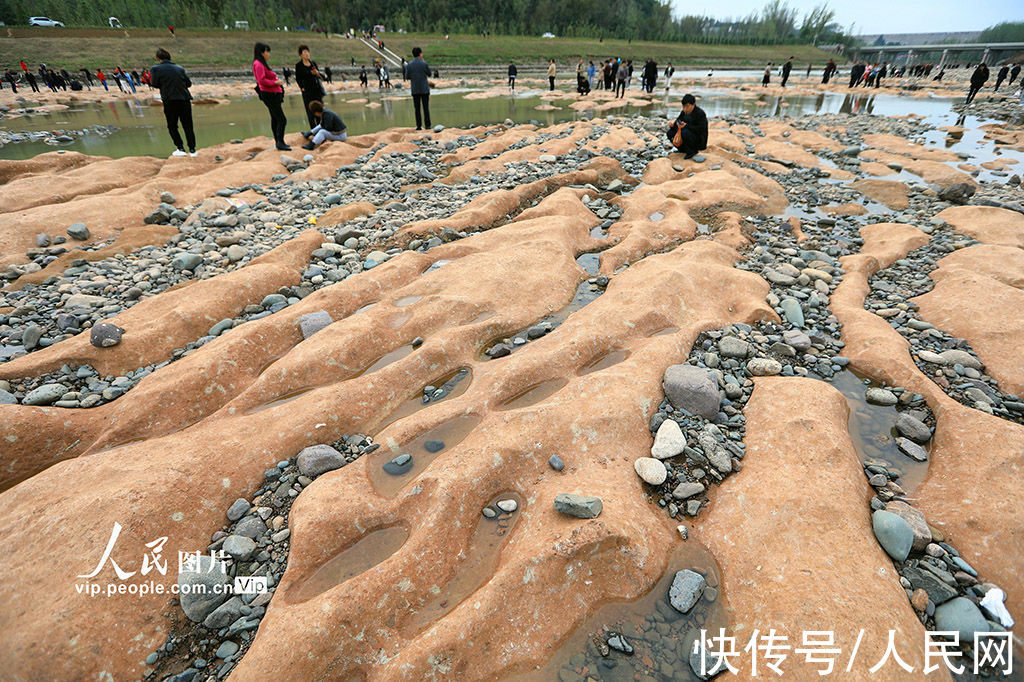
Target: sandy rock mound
column 797, row 432
column 971, row 450
column 172, row 486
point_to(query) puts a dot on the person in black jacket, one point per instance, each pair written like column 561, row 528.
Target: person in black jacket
column 512, row 73
column 329, row 126
column 173, row 83
column 856, row 72
column 419, row 86
column 692, row 124
column 1001, row 76
column 650, row 75
column 307, row 77
column 786, row 69
column 978, row 79
column 830, row 69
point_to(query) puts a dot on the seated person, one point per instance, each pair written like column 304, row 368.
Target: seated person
column 689, row 132
column 329, row 126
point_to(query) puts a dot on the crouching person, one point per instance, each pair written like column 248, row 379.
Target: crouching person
column 689, row 132
column 329, row 126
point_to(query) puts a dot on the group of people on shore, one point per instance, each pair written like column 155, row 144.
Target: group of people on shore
column 614, row 73
column 84, row 79
column 688, row 133
column 784, row 72
column 324, row 124
column 981, row 74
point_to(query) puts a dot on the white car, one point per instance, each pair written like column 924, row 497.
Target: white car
column 43, row 21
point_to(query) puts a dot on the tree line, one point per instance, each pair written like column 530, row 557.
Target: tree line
column 776, row 23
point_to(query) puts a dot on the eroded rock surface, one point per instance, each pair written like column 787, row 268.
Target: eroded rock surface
column 590, row 289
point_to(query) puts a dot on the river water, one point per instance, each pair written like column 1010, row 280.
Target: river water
column 142, row 132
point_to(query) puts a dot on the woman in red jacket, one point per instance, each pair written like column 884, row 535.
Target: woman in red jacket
column 271, row 92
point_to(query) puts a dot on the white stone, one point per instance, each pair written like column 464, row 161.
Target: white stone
column 83, row 301
column 764, row 367
column 669, row 441
column 928, row 356
column 507, row 506
column 651, row 470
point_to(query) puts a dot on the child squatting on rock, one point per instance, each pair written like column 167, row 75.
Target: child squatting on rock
column 329, row 126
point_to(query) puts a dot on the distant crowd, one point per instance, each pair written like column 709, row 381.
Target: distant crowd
column 83, row 79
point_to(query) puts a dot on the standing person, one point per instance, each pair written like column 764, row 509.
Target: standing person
column 31, row 78
column 609, row 73
column 767, row 78
column 512, row 73
column 551, row 75
column 882, row 72
column 329, row 126
column 591, row 72
column 978, row 79
column 24, row 66
column 386, row 76
column 856, row 71
column 1001, row 76
column 689, row 132
column 271, row 92
column 786, row 69
column 327, row 74
column 629, row 72
column 9, row 76
column 405, row 76
column 102, row 79
column 173, row 83
column 307, row 77
column 669, row 72
column 1014, row 72
column 88, row 76
column 127, row 79
column 651, row 75
column 419, row 87
column 362, row 78
column 287, row 75
column 808, row 71
column 621, row 77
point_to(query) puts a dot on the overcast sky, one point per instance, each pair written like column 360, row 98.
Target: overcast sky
column 883, row 16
